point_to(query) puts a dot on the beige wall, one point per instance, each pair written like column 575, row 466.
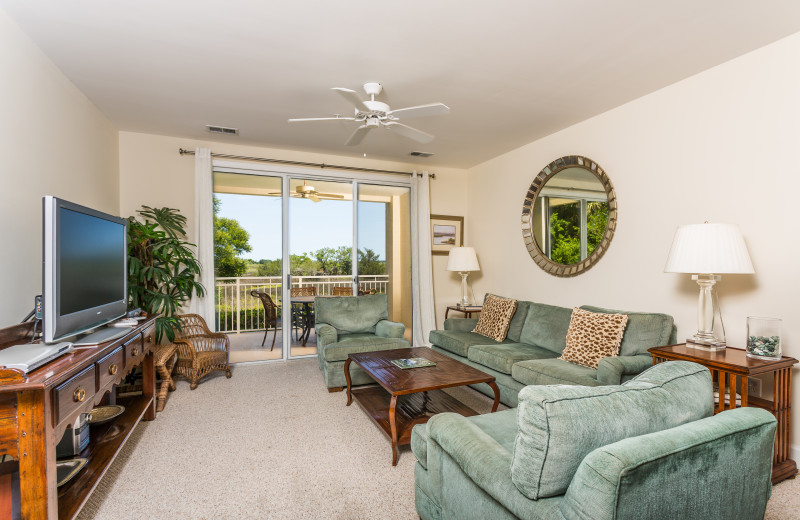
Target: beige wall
column 53, row 141
column 719, row 146
column 153, row 173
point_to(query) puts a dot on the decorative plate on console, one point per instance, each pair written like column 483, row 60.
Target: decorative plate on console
column 103, row 414
column 67, row 469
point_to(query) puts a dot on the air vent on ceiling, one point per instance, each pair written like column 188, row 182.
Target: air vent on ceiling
column 420, row 154
column 222, row 130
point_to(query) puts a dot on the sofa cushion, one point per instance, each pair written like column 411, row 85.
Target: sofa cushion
column 352, row 314
column 546, row 326
column 500, row 426
column 553, row 372
column 593, row 336
column 560, row 425
column 644, row 330
column 354, row 343
column 459, row 342
column 502, row 357
column 495, row 317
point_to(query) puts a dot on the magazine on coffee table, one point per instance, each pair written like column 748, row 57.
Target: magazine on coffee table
column 416, row 362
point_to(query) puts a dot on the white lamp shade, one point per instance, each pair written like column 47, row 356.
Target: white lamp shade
column 708, row 249
column 463, row 259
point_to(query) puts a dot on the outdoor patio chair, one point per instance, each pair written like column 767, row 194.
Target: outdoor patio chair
column 270, row 315
column 200, row 351
column 302, row 315
column 343, row 291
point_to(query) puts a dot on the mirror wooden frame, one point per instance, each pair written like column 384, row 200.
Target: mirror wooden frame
column 541, row 259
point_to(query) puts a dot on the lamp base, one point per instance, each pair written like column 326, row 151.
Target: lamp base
column 707, row 344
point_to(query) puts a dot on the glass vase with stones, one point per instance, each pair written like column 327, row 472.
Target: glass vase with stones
column 763, row 338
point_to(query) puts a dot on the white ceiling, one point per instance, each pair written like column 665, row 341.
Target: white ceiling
column 511, row 71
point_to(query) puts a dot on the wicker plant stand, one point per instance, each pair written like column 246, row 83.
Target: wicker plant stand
column 165, row 364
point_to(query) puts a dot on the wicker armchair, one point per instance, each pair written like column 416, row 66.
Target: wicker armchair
column 270, row 315
column 343, row 291
column 200, row 351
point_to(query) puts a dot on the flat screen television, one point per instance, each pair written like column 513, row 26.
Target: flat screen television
column 85, row 265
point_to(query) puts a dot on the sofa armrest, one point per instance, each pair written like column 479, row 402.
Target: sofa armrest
column 389, row 329
column 326, row 334
column 733, row 449
column 479, row 456
column 460, row 324
column 611, row 369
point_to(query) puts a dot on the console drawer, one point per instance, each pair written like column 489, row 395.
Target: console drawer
column 149, row 335
column 110, row 368
column 134, row 352
column 74, row 393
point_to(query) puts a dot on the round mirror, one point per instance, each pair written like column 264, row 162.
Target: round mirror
column 569, row 216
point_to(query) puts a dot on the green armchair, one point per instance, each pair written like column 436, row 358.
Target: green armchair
column 647, row 449
column 350, row 324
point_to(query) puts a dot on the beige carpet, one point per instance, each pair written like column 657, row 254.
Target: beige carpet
column 272, row 443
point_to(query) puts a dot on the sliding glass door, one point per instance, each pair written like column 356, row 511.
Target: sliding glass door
column 283, row 239
column 248, row 264
column 320, row 252
column 384, row 247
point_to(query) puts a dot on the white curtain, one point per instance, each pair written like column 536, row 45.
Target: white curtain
column 204, row 234
column 424, row 314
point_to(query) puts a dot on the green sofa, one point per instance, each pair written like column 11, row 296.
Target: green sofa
column 349, row 324
column 537, row 336
column 647, row 449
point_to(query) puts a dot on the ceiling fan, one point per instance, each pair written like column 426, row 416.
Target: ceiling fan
column 373, row 114
column 309, row 192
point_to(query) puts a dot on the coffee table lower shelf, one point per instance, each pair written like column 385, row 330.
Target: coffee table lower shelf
column 410, row 410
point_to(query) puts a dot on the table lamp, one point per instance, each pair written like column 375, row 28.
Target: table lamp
column 706, row 251
column 463, row 260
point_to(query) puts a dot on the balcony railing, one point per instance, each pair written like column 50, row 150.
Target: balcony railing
column 238, row 311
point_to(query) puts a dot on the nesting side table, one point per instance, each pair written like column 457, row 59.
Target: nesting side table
column 731, row 368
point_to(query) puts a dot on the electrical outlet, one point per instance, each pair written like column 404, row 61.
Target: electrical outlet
column 754, row 387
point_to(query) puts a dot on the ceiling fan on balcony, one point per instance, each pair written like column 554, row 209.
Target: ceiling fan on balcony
column 375, row 114
column 309, row 192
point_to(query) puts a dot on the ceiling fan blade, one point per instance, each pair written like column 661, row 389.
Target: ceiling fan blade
column 314, row 198
column 295, row 120
column 329, row 195
column 358, row 135
column 433, row 109
column 353, row 97
column 411, row 133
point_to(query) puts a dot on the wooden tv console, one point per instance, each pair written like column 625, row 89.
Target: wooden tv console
column 37, row 409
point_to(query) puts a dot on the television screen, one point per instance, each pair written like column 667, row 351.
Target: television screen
column 91, row 271
column 84, row 269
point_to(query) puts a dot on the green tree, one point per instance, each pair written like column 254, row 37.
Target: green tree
column 335, row 261
column 566, row 248
column 596, row 222
column 230, row 241
column 370, row 263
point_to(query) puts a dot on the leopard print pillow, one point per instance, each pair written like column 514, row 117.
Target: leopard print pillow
column 593, row 336
column 495, row 317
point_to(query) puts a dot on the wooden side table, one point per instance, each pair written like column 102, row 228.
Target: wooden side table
column 731, row 368
column 468, row 310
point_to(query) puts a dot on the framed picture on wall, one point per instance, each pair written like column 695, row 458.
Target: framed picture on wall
column 447, row 232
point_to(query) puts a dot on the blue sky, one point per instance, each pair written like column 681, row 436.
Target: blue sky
column 312, row 226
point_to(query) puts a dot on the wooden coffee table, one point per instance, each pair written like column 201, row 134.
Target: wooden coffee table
column 408, row 397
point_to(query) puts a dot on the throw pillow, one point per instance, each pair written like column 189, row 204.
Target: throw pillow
column 593, row 336
column 495, row 317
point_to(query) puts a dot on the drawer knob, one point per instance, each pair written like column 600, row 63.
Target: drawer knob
column 113, row 369
column 135, row 351
column 79, row 395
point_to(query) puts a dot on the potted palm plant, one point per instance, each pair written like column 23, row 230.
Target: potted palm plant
column 162, row 268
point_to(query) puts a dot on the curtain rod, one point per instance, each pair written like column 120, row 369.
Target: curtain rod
column 299, row 163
